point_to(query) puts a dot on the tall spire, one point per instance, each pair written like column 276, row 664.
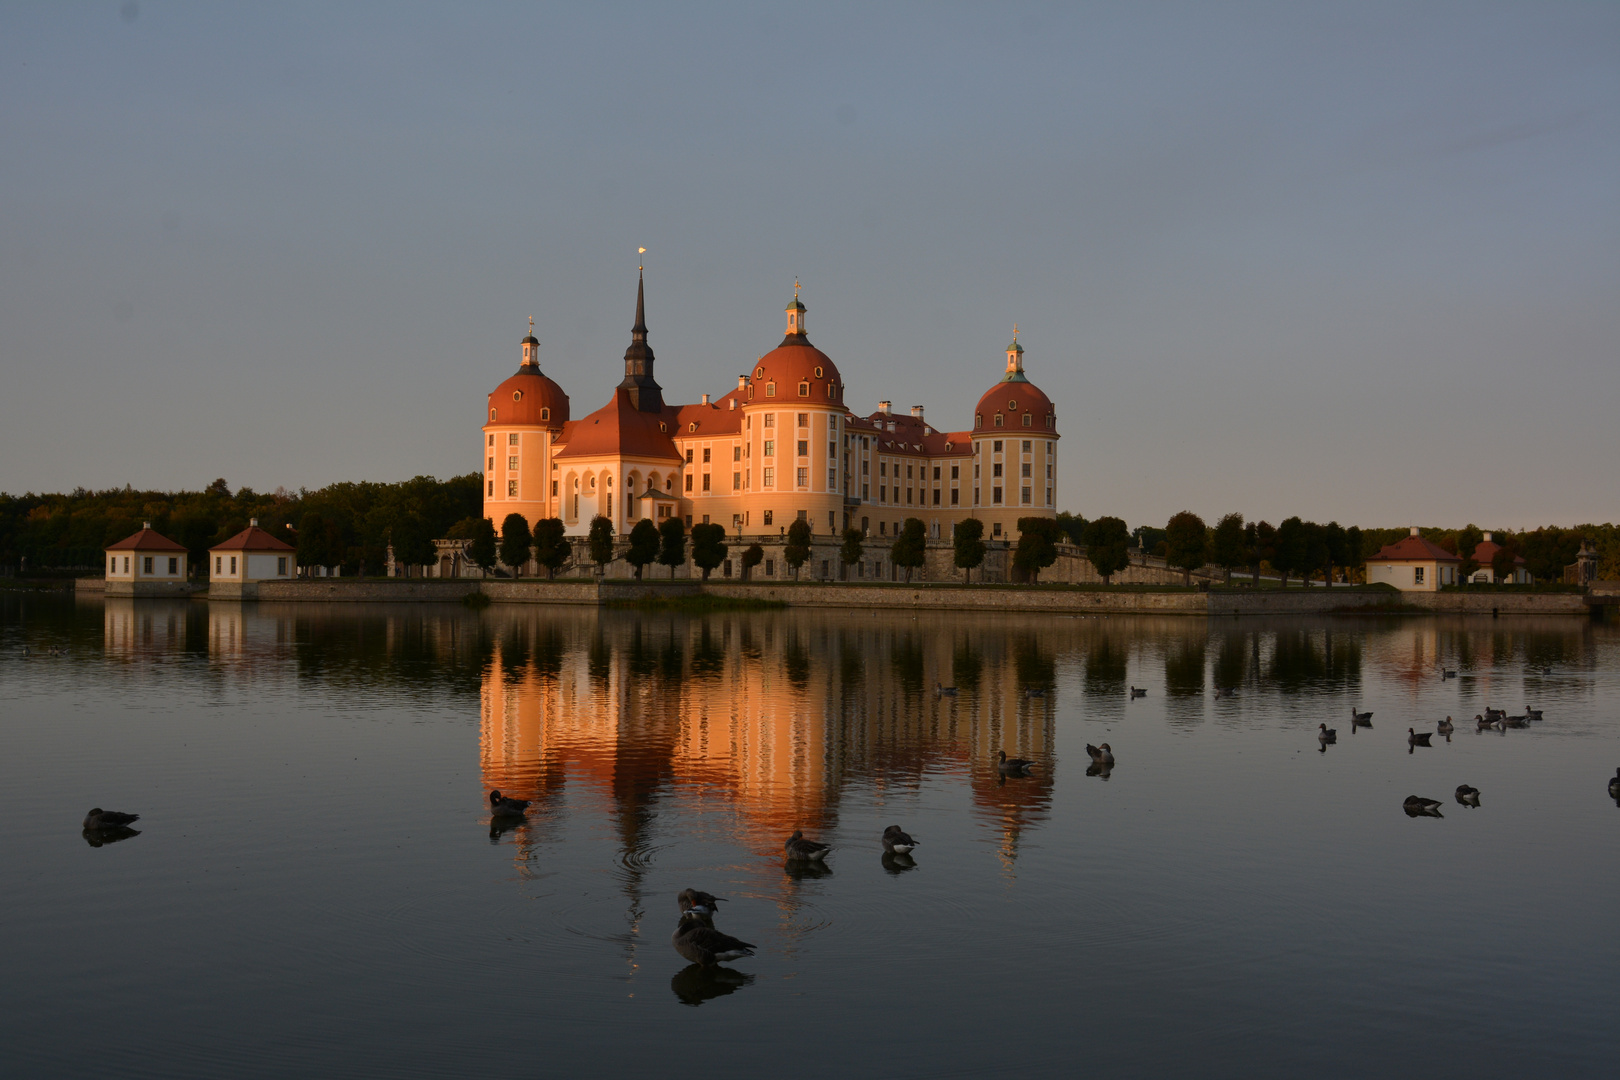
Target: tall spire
column 1015, row 360
column 645, row 393
column 795, row 320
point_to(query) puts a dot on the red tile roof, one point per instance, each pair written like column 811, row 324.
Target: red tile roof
column 1414, row 549
column 252, row 538
column 619, row 429
column 1485, row 551
column 146, row 540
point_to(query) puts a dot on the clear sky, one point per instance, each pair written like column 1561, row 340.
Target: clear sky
column 1356, row 261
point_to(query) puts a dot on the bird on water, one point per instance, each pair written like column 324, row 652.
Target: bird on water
column 1015, row 766
column 1446, row 727
column 1359, row 717
column 1467, row 795
column 944, row 691
column 897, row 840
column 1325, row 734
column 1414, row 805
column 1102, row 755
column 1414, row 739
column 703, row 944
column 1137, row 692
column 109, row 819
column 501, row 806
column 798, row 847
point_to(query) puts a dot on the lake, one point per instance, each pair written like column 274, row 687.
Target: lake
column 318, row 888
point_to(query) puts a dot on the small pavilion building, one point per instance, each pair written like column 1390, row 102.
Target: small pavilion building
column 1485, row 555
column 237, row 565
column 1413, row 565
column 146, row 563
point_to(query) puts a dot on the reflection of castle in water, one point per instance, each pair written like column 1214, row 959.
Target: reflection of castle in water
column 768, row 719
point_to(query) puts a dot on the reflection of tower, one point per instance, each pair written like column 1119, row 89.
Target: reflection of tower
column 129, row 628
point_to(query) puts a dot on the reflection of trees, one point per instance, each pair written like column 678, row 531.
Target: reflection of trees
column 1034, row 662
column 967, row 664
column 1184, row 666
column 1232, row 658
column 1305, row 659
column 1105, row 665
column 906, row 661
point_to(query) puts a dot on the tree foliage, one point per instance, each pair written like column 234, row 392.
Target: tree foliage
column 708, row 546
column 482, row 550
column 516, row 542
column 1073, row 526
column 752, row 556
column 797, row 549
column 969, row 545
column 1108, row 546
column 1227, row 549
column 599, row 542
column 551, row 546
column 853, row 549
column 643, row 545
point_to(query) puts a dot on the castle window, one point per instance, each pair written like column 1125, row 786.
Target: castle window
column 767, row 517
column 545, row 414
column 804, row 447
column 492, row 415
column 770, row 419
column 804, row 478
column 688, row 481
column 663, row 427
column 770, row 389
column 956, row 472
column 996, row 446
column 1051, row 422
column 492, row 489
column 804, row 389
column 553, row 489
column 511, row 464
column 770, row 447
column 512, row 439
column 492, row 439
column 1012, row 406
column 517, row 395
column 832, row 392
column 689, row 455
column 1026, row 446
column 998, row 419
column 736, row 481
column 995, row 470
column 1051, row 448
column 759, row 373
column 511, row 489
column 818, row 371
column 804, row 419
column 705, row 481
column 692, row 426
column 736, row 452
column 1027, row 419
column 770, row 481
column 995, row 495
column 954, row 493
column 1025, row 469
column 936, row 496
column 705, row 455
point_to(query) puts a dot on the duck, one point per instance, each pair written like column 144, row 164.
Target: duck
column 1016, row 766
column 944, row 691
column 1137, row 692
column 1446, row 727
column 1102, row 755
column 1467, row 795
column 897, row 840
column 1326, row 734
column 703, row 944
column 1614, row 784
column 1414, row 739
column 1482, row 724
column 109, row 819
column 1415, row 805
column 699, row 901
column 1359, row 717
column 798, row 847
column 501, row 806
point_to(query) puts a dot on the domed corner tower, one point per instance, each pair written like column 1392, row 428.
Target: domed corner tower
column 523, row 416
column 793, row 435
column 1015, row 441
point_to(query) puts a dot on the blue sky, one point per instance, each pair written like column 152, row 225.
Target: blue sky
column 1356, row 261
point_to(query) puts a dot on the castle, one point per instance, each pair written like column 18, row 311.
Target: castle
column 782, row 445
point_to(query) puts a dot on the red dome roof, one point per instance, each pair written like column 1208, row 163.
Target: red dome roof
column 528, row 398
column 1012, row 398
column 791, row 363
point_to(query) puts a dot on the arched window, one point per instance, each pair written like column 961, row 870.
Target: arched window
column 978, row 419
column 998, row 419
column 545, row 414
column 1051, row 422
column 492, row 415
column 1027, row 419
column 692, row 426
column 832, row 391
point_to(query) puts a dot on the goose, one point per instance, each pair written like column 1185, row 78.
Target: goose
column 696, row 900
column 1516, row 721
column 1012, row 766
column 1326, row 734
column 1414, row 739
column 1136, row 693
column 1534, row 714
column 1415, row 805
column 1102, row 755
column 502, row 806
column 897, row 840
column 1614, row 784
column 703, row 944
column 1034, row 691
column 1359, row 717
column 1468, row 796
column 798, row 847
column 1445, row 727
column 944, row 691
column 1494, row 714
column 109, row 819
column 1354, row 723
column 1482, row 724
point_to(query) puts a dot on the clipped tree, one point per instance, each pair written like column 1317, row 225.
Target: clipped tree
column 599, row 542
column 516, row 540
column 482, row 548
column 551, row 546
column 752, row 556
column 312, row 549
column 797, row 550
column 708, row 546
column 970, row 548
column 1468, row 538
column 910, row 548
column 672, row 546
column 1335, row 543
column 1226, row 547
column 413, row 546
column 1291, row 548
column 1073, row 527
column 1186, row 544
column 1262, row 541
column 1354, row 557
column 1108, row 546
column 853, row 549
column 1037, row 545
column 643, row 545
column 1503, row 562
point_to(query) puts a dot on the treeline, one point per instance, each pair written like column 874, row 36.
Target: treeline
column 347, row 524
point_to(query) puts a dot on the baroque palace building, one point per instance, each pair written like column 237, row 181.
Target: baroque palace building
column 782, row 445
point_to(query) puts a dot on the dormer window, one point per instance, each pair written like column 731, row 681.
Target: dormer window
column 818, row 371
column 770, row 389
column 1027, row 419
column 692, row 426
column 804, row 389
column 545, row 414
column 1051, row 422
column 998, row 419
column 492, row 415
column 978, row 419
column 517, row 395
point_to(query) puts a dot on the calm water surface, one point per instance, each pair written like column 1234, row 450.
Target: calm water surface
column 317, row 887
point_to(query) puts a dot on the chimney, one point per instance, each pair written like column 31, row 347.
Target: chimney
column 917, row 411
column 253, row 523
column 1414, row 530
column 742, row 382
column 883, row 407
column 733, row 404
column 705, row 399
column 1488, row 538
column 146, row 524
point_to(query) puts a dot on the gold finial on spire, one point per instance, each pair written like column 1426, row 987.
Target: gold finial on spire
column 1015, row 331
column 640, row 251
column 795, row 286
column 531, row 324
